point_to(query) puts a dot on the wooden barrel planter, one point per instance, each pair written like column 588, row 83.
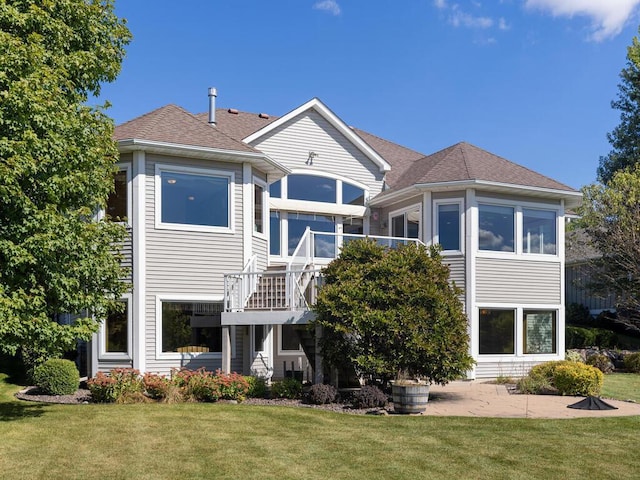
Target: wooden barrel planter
column 410, row 398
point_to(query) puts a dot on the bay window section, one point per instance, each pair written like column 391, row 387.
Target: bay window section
column 189, row 327
column 196, row 198
column 496, row 228
column 539, row 231
column 259, row 208
column 539, row 332
column 275, row 189
column 274, row 233
column 496, row 332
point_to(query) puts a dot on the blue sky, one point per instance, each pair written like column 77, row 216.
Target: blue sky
column 529, row 80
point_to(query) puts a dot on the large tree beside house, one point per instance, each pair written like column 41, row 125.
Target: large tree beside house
column 392, row 313
column 57, row 165
column 625, row 138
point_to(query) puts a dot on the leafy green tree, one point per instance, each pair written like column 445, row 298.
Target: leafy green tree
column 56, row 168
column 392, row 313
column 610, row 216
column 625, row 138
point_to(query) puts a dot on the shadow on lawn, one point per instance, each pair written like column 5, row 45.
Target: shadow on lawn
column 19, row 410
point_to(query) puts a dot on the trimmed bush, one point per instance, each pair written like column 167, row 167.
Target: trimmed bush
column 231, row 386
column 601, row 362
column 257, row 387
column 578, row 379
column 287, row 388
column 632, row 362
column 369, row 396
column 319, row 394
column 122, row 385
column 57, row 377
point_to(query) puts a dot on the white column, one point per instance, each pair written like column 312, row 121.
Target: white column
column 471, row 248
column 139, row 260
column 226, row 349
column 247, row 212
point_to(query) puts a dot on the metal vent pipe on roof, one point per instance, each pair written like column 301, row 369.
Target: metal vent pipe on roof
column 213, row 93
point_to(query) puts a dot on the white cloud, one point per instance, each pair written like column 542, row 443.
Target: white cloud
column 330, row 6
column 502, row 24
column 441, row 4
column 608, row 16
column 461, row 19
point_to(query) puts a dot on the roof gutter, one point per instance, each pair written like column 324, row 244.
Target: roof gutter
column 134, row 144
column 573, row 197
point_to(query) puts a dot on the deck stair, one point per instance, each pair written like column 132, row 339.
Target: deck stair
column 271, row 291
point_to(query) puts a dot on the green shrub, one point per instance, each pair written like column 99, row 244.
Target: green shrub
column 531, row 385
column 581, row 337
column 546, row 371
column 287, row 388
column 230, row 386
column 573, row 356
column 319, row 394
column 122, row 385
column 156, row 386
column 257, row 387
column 57, row 377
column 601, row 362
column 632, row 362
column 369, row 396
column 578, row 379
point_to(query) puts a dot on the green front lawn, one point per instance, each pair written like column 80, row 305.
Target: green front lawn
column 622, row 386
column 190, row 441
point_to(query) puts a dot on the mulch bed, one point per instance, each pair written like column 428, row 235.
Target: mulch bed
column 83, row 396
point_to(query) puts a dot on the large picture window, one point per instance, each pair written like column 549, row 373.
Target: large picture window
column 189, row 327
column 311, row 187
column 497, row 332
column 539, row 331
column 325, row 245
column 195, row 197
column 539, row 231
column 496, row 228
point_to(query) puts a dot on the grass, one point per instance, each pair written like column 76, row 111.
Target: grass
column 193, row 441
column 622, row 386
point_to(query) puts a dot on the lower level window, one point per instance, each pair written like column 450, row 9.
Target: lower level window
column 191, row 327
column 289, row 340
column 497, row 332
column 539, row 331
column 116, row 328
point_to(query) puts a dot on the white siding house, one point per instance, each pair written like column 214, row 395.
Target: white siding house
column 231, row 222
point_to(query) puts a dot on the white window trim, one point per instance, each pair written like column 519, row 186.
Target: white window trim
column 160, row 355
column 436, row 223
column 404, row 211
column 287, row 353
column 265, row 209
column 159, row 224
column 102, row 337
column 123, row 167
column 284, row 187
column 542, row 209
column 519, row 333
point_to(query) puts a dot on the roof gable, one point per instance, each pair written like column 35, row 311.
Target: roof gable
column 334, row 120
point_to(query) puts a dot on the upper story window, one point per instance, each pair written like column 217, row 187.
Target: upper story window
column 312, row 188
column 117, row 208
column 316, row 188
column 352, row 195
column 259, row 207
column 448, row 225
column 539, row 231
column 496, row 229
column 406, row 224
column 199, row 198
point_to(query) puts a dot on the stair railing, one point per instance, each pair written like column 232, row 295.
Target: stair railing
column 239, row 287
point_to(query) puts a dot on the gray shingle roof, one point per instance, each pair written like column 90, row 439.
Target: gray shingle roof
column 464, row 161
column 173, row 124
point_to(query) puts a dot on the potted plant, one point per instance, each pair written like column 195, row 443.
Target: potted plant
column 393, row 314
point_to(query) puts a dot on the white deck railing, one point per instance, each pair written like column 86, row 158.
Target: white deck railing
column 294, row 288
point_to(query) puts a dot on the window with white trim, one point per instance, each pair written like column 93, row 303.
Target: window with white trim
column 497, row 331
column 496, row 228
column 406, row 223
column 539, row 329
column 448, row 225
column 191, row 327
column 289, row 341
column 539, row 231
column 260, row 208
column 193, row 198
